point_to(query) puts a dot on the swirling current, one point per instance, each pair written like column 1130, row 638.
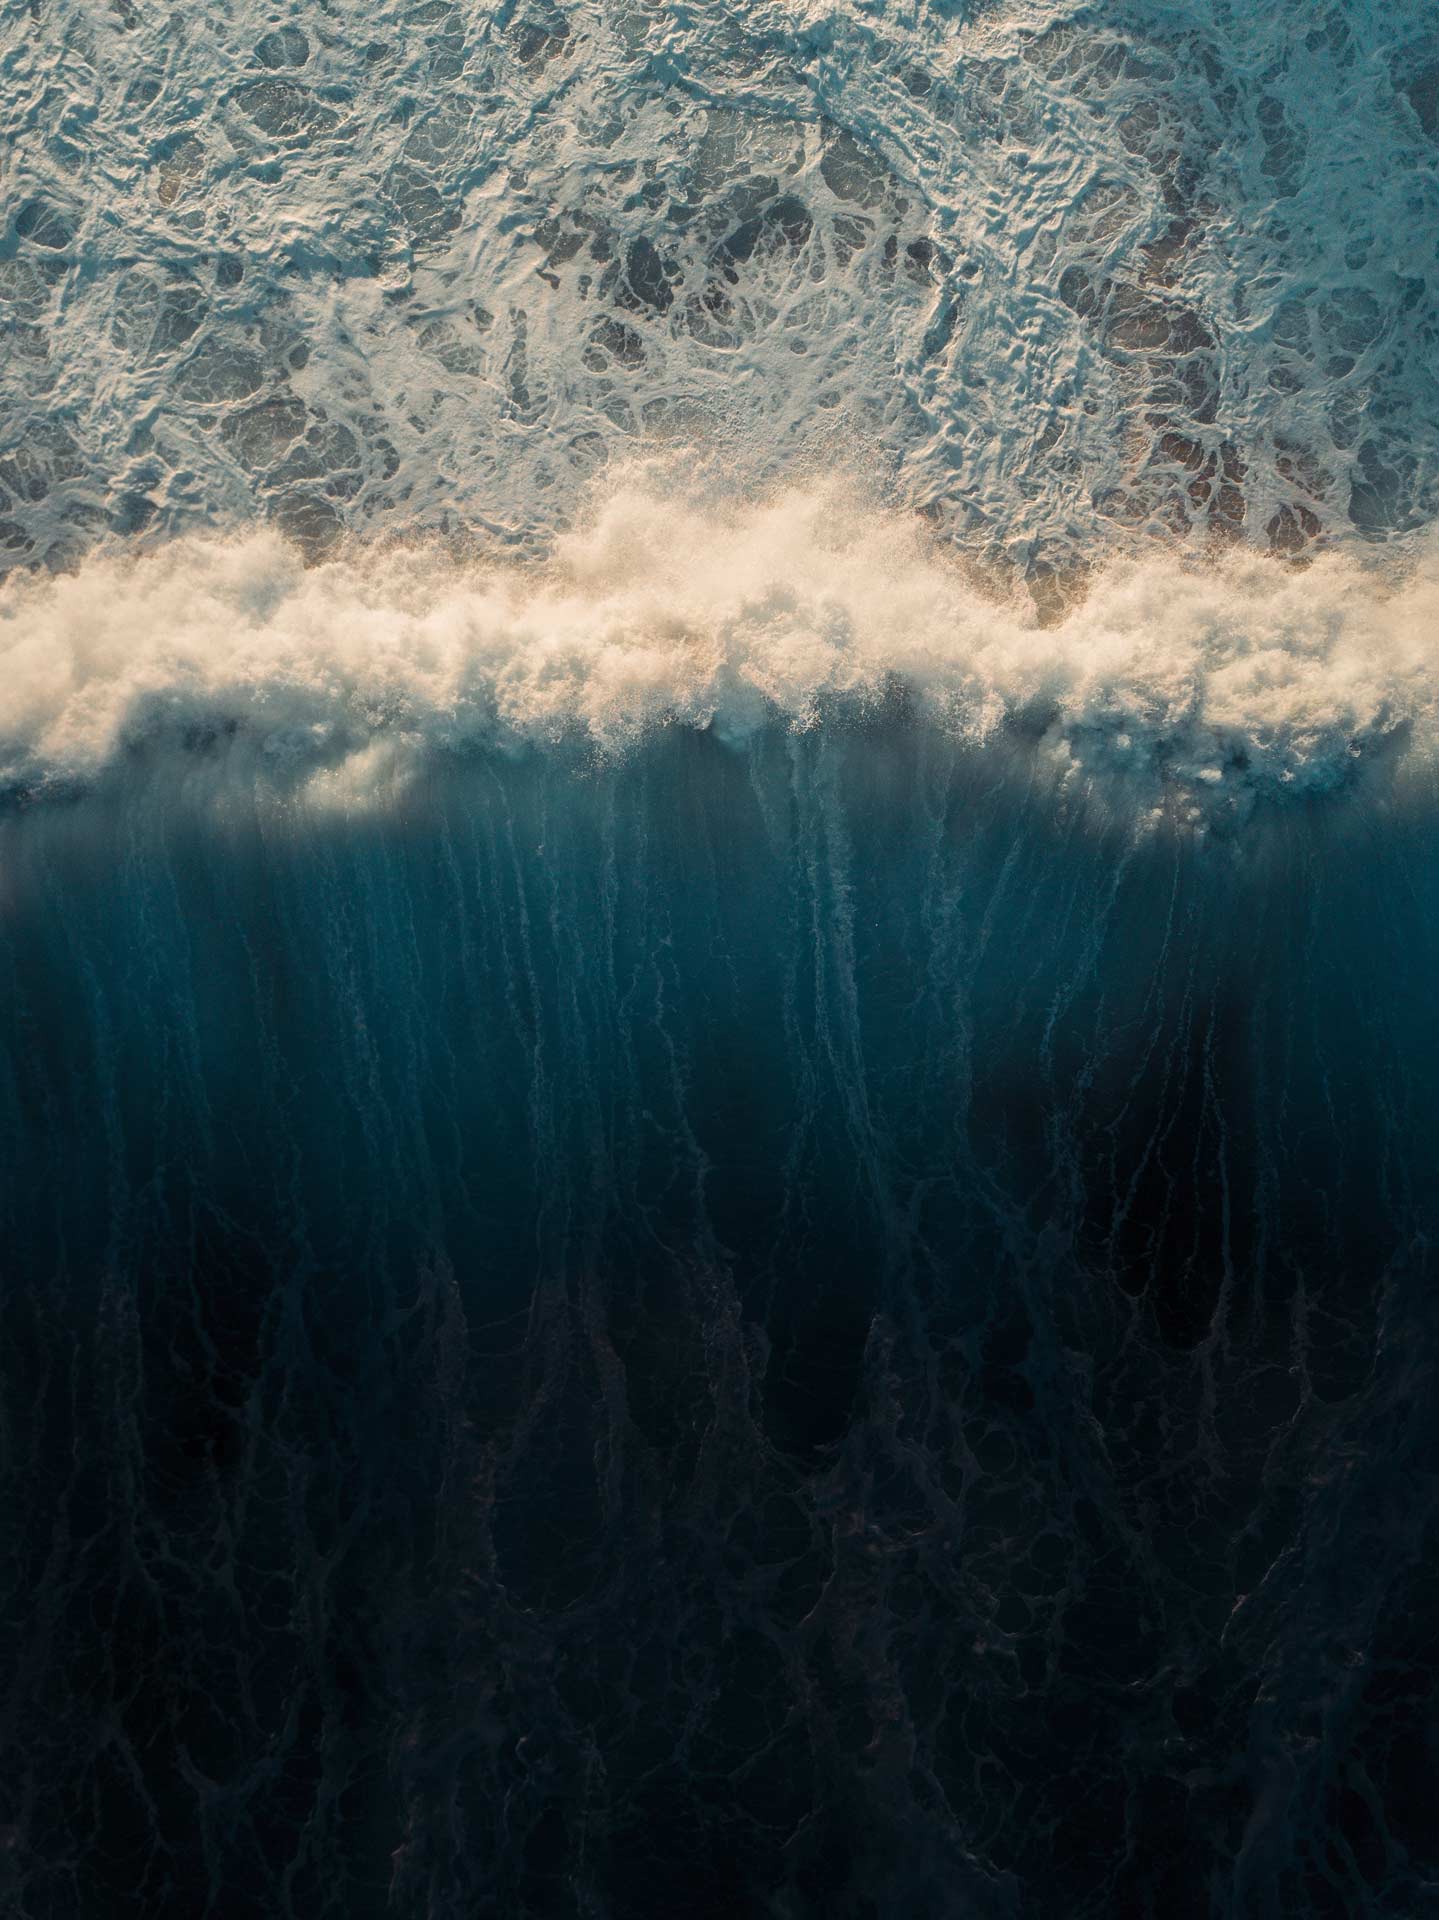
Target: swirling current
column 719, row 795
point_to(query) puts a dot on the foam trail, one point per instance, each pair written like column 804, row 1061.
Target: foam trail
column 1197, row 687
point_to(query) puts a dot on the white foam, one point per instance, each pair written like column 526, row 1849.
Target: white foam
column 1209, row 685
column 1067, row 274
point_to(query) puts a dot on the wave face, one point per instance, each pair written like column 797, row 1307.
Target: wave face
column 718, row 909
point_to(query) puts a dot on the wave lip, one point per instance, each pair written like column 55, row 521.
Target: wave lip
column 1192, row 692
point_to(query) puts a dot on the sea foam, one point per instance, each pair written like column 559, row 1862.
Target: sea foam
column 1199, row 688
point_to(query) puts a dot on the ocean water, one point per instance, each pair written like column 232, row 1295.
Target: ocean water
column 719, row 794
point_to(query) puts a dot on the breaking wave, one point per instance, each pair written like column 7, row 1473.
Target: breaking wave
column 1167, row 686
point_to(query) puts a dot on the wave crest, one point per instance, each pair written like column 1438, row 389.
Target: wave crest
column 1195, row 690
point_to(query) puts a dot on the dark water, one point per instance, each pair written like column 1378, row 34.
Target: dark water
column 773, row 1333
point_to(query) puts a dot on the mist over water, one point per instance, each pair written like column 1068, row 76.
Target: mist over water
column 718, row 914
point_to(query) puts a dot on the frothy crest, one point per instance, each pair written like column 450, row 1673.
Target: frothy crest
column 1193, row 690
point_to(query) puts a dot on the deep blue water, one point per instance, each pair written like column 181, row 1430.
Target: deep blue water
column 747, row 1331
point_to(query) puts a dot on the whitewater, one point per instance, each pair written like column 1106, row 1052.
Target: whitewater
column 1062, row 278
column 719, row 772
column 1186, row 693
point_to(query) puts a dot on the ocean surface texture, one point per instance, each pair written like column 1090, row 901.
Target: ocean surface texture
column 719, row 911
